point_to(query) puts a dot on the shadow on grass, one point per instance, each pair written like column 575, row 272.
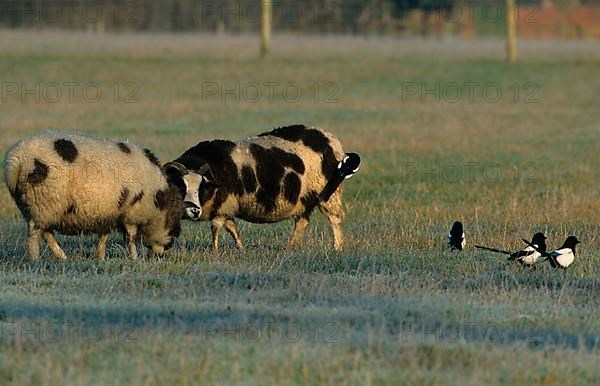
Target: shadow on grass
column 240, row 324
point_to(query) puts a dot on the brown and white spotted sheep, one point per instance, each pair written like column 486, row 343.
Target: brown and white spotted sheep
column 269, row 178
column 73, row 184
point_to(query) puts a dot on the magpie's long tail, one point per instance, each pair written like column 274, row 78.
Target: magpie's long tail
column 493, row 250
column 345, row 169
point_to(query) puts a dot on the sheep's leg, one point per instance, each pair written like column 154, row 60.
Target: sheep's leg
column 232, row 229
column 54, row 247
column 299, row 228
column 130, row 235
column 338, row 234
column 334, row 212
column 33, row 241
column 101, row 248
column 215, row 226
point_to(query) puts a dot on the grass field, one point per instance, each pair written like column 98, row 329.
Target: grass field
column 395, row 307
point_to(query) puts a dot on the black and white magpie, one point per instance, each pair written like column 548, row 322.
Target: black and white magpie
column 563, row 256
column 456, row 237
column 345, row 169
column 528, row 255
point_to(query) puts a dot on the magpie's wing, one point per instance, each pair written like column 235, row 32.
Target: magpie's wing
column 455, row 242
column 563, row 257
column 562, row 251
column 527, row 251
column 528, row 256
column 535, row 247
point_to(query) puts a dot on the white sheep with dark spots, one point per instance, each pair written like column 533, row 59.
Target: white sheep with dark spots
column 73, row 184
column 282, row 174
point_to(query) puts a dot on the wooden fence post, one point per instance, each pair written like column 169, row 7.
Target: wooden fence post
column 511, row 32
column 265, row 28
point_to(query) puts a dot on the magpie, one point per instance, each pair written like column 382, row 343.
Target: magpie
column 528, row 255
column 345, row 169
column 456, row 237
column 562, row 257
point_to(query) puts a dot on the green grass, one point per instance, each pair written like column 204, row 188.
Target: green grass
column 395, row 306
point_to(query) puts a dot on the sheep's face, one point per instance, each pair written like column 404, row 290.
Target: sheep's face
column 162, row 239
column 159, row 235
column 160, row 243
column 158, row 249
column 196, row 187
column 192, row 209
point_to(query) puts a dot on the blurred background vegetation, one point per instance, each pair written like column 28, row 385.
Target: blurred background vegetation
column 536, row 18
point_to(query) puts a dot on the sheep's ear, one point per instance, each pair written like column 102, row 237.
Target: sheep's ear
column 206, row 172
column 174, row 171
column 172, row 167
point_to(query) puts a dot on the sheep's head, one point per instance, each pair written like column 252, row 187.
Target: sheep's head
column 195, row 185
column 160, row 234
